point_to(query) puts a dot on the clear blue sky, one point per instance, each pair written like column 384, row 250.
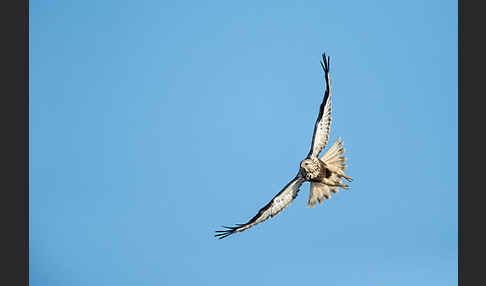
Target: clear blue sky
column 152, row 123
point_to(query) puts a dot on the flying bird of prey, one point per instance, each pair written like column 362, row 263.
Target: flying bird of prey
column 324, row 173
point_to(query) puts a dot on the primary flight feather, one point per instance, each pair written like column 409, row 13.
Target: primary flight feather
column 325, row 174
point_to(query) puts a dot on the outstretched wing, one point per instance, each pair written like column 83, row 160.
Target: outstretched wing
column 323, row 123
column 275, row 206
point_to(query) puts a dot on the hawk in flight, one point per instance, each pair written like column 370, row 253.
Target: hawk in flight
column 324, row 173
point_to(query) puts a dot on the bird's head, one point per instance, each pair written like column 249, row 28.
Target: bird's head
column 307, row 165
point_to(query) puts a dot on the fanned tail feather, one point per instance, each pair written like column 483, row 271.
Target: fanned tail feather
column 318, row 191
column 335, row 160
column 336, row 163
column 334, row 152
